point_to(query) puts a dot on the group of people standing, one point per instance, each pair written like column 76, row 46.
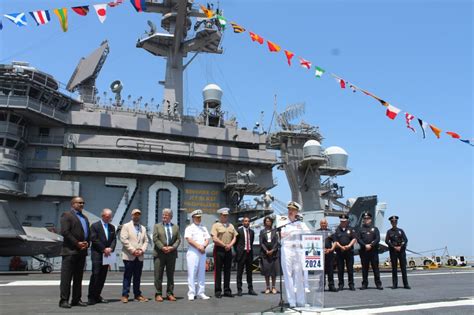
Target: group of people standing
column 102, row 236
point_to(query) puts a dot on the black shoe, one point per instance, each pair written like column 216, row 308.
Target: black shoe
column 394, row 287
column 379, row 287
column 64, row 304
column 102, row 300
column 239, row 293
column 78, row 303
column 91, row 302
column 228, row 294
column 352, row 288
column 218, row 295
column 341, row 287
column 332, row 289
column 364, row 287
column 407, row 287
column 252, row 292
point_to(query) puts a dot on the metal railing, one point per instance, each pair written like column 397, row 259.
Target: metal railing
column 42, row 164
column 46, row 139
column 29, row 103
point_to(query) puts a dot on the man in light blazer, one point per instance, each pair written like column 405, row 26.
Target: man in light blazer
column 134, row 241
column 103, row 241
column 166, row 239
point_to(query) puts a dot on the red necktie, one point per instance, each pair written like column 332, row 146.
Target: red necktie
column 248, row 241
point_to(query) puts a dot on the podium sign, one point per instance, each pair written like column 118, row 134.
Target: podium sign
column 313, row 252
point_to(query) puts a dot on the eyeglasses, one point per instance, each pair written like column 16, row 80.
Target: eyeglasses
column 80, row 202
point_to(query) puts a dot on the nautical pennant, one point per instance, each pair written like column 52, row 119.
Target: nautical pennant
column 207, row 11
column 342, row 83
column 41, row 17
column 222, row 21
column 423, row 126
column 319, row 72
column 289, row 55
column 273, row 47
column 1, row 24
column 139, row 5
column 237, row 28
column 453, row 135
column 353, row 88
column 436, row 131
column 256, row 38
column 408, row 119
column 467, row 141
column 18, row 18
column 115, row 3
column 392, row 112
column 305, row 63
column 101, row 10
column 62, row 16
column 82, row 10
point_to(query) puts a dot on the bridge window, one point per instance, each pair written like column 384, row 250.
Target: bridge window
column 11, row 176
column 10, row 143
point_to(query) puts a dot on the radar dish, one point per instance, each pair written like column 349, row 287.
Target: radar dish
column 88, row 68
column 291, row 112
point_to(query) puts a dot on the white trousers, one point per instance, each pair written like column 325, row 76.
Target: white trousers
column 292, row 266
column 196, row 269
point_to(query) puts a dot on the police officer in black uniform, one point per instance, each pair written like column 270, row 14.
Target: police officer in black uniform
column 369, row 239
column 329, row 246
column 397, row 243
column 345, row 239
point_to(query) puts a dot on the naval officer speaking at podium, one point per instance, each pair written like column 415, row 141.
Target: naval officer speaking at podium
column 292, row 255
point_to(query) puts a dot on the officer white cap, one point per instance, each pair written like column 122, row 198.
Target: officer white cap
column 293, row 205
column 196, row 213
column 223, row 211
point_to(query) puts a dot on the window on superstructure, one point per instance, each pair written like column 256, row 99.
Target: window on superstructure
column 10, row 176
column 41, row 153
column 10, row 143
column 163, row 200
column 43, row 132
column 14, row 118
column 3, row 116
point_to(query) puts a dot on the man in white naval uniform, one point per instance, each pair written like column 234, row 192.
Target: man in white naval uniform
column 198, row 238
column 292, row 255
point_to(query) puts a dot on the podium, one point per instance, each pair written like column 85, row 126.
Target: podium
column 302, row 262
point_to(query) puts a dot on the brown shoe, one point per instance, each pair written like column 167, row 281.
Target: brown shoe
column 159, row 298
column 141, row 298
column 171, row 298
column 124, row 299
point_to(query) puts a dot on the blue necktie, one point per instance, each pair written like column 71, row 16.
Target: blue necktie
column 106, row 226
column 168, row 232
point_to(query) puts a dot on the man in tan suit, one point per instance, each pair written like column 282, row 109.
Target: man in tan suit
column 135, row 241
column 166, row 239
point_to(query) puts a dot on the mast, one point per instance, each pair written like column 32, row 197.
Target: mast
column 175, row 46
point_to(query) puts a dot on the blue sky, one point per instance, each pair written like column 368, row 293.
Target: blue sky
column 415, row 54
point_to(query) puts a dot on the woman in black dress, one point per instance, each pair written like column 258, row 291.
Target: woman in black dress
column 269, row 254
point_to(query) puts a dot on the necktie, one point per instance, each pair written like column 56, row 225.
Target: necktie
column 106, row 228
column 168, row 232
column 247, row 247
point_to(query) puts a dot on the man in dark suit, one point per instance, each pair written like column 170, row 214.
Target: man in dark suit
column 166, row 240
column 103, row 241
column 76, row 233
column 244, row 257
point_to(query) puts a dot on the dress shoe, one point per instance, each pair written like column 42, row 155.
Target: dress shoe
column 102, row 300
column 407, row 287
column 379, row 287
column 394, row 287
column 141, row 298
column 341, row 287
column 203, row 297
column 171, row 298
column 332, row 289
column 78, row 303
column 159, row 298
column 218, row 295
column 64, row 304
column 228, row 294
column 239, row 293
column 352, row 288
column 91, row 302
column 364, row 287
column 124, row 299
column 252, row 292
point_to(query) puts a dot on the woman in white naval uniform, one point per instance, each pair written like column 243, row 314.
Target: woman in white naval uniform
column 198, row 238
column 292, row 255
